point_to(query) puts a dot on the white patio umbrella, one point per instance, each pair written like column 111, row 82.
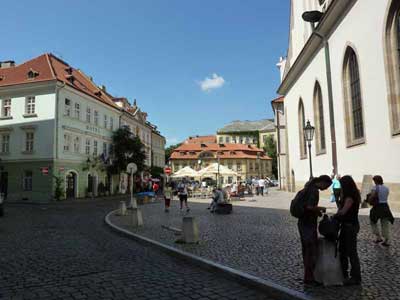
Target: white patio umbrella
column 212, row 170
column 185, row 172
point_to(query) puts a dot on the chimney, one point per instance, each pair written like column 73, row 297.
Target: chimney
column 7, row 64
column 103, row 88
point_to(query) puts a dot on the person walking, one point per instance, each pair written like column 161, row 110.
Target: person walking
column 347, row 215
column 168, row 196
column 307, row 225
column 380, row 211
column 183, row 194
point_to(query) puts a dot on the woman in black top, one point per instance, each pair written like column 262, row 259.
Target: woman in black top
column 349, row 228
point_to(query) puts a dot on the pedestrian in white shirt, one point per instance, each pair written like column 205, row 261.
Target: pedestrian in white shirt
column 261, row 186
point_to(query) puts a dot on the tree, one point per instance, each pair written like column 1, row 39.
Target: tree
column 270, row 150
column 126, row 148
column 169, row 150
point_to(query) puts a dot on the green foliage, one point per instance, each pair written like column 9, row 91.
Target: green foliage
column 271, row 150
column 58, row 188
column 94, row 163
column 127, row 148
column 169, row 150
column 156, row 172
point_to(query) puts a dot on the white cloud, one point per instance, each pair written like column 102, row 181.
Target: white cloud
column 172, row 141
column 214, row 82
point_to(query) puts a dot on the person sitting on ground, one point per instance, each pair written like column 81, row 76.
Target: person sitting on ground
column 217, row 198
column 381, row 211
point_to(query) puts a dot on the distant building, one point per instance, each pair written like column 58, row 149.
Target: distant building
column 157, row 149
column 199, row 152
column 343, row 76
column 56, row 122
column 246, row 132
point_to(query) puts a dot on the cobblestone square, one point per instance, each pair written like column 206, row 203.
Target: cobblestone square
column 264, row 242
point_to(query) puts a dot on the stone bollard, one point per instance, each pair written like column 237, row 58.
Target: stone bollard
column 122, row 208
column 137, row 219
column 133, row 202
column 190, row 230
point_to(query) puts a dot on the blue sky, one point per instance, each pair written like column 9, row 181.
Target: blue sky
column 160, row 51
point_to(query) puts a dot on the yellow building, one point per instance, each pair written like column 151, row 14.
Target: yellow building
column 199, row 152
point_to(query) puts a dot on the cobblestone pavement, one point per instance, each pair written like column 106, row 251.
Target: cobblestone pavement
column 264, row 242
column 66, row 252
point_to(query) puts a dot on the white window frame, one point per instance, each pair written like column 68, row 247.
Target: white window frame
column 96, row 118
column 87, row 146
column 105, row 121
column 30, row 105
column 77, row 110
column 6, row 108
column 67, row 107
column 88, row 114
column 29, row 141
column 77, row 144
column 111, row 123
column 95, row 148
column 67, row 142
column 5, row 143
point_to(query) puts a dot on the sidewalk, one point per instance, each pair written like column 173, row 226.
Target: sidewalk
column 261, row 238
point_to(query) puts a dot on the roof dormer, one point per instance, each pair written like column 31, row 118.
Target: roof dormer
column 32, row 74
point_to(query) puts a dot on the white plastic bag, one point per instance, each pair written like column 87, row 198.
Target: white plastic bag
column 328, row 270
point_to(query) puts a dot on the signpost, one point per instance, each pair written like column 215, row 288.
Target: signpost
column 45, row 170
column 131, row 168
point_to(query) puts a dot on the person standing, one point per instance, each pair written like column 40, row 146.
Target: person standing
column 261, row 186
column 307, row 225
column 336, row 189
column 168, row 196
column 381, row 211
column 347, row 215
column 183, row 194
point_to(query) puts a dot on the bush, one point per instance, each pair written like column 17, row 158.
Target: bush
column 58, row 189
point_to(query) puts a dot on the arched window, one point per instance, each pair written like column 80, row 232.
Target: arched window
column 319, row 120
column 353, row 99
column 302, row 124
column 392, row 60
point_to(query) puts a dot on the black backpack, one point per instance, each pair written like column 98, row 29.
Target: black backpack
column 297, row 205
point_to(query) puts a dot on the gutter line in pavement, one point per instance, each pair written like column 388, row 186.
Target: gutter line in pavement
column 274, row 290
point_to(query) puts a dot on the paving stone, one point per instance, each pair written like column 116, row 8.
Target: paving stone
column 66, row 252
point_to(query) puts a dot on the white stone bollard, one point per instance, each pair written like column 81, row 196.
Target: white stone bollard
column 137, row 219
column 133, row 202
column 190, row 230
column 122, row 208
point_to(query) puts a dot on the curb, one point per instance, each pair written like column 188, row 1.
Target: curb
column 274, row 290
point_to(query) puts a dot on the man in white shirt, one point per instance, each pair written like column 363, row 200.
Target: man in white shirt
column 261, row 186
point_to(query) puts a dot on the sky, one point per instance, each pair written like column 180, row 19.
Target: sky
column 192, row 65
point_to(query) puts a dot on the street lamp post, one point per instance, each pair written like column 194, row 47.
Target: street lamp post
column 308, row 136
column 218, row 170
column 315, row 17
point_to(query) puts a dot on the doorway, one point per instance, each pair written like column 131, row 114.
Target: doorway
column 4, row 184
column 71, row 185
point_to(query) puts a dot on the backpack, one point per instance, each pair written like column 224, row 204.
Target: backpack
column 329, row 228
column 298, row 203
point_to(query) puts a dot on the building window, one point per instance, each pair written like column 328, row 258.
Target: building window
column 30, row 105
column 302, row 124
column 96, row 118
column 77, row 144
column 6, row 109
column 67, row 142
column 77, row 111
column 27, row 181
column 88, row 115
column 29, row 139
column 67, row 107
column 111, row 123
column 95, row 148
column 251, row 167
column 87, row 147
column 5, row 143
column 221, row 139
column 319, row 120
column 353, row 100
column 392, row 60
column 227, row 139
column 247, row 140
column 105, row 121
column 104, row 149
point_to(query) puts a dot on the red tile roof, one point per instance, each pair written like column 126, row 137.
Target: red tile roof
column 49, row 67
column 192, row 151
column 206, row 139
